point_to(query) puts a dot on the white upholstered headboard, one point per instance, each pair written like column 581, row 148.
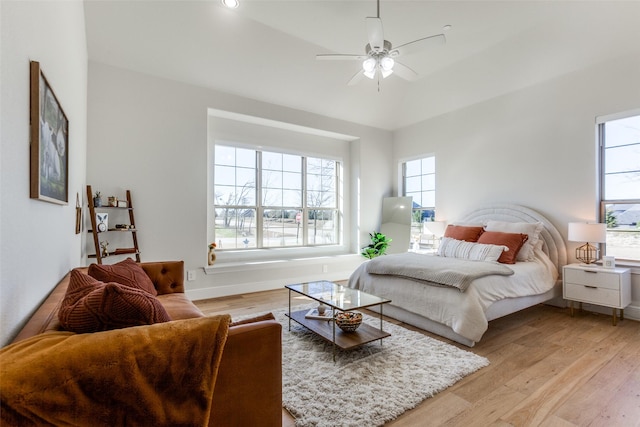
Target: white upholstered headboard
column 554, row 245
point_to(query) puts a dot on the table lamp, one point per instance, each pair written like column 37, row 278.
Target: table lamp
column 590, row 233
column 435, row 227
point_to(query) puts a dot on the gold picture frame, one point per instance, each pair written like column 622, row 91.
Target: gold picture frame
column 49, row 152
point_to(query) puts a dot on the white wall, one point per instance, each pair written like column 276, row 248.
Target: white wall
column 38, row 241
column 535, row 147
column 149, row 135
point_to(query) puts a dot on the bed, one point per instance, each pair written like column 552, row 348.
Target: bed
column 462, row 315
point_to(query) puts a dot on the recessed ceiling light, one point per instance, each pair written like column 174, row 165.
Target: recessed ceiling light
column 446, row 27
column 231, row 4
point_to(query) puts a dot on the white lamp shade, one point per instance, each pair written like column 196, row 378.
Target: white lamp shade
column 435, row 227
column 387, row 63
column 587, row 232
column 369, row 64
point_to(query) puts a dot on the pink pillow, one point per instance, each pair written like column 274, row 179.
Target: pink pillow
column 92, row 306
column 513, row 241
column 127, row 272
column 463, row 232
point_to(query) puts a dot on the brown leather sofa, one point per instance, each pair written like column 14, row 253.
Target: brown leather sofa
column 248, row 389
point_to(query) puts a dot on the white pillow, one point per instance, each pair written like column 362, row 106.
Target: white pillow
column 471, row 251
column 531, row 229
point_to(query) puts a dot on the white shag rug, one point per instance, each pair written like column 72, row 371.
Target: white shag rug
column 368, row 385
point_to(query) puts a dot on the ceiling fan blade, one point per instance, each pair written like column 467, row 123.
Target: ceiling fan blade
column 417, row 45
column 375, row 34
column 357, row 77
column 341, row 57
column 405, row 72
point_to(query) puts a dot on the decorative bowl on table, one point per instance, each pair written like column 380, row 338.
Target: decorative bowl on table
column 348, row 321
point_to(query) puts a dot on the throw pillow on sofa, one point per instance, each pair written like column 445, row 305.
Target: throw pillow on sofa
column 91, row 306
column 127, row 272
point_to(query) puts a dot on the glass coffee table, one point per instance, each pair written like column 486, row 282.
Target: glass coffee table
column 341, row 298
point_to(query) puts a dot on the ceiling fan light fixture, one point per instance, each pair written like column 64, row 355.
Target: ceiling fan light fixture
column 386, row 73
column 387, row 64
column 231, row 4
column 369, row 65
column 370, row 74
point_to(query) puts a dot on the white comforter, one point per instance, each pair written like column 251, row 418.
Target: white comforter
column 462, row 312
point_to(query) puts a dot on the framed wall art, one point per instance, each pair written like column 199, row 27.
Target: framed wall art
column 49, row 162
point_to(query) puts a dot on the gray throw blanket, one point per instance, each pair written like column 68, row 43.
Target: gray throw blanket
column 436, row 270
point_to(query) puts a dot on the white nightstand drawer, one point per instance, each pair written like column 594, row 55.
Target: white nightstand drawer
column 595, row 295
column 598, row 278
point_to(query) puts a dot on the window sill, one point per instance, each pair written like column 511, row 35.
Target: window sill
column 242, row 266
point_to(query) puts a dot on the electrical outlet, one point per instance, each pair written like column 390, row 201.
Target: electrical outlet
column 325, row 268
column 191, row 275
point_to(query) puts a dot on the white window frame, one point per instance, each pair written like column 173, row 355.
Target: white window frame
column 603, row 202
column 404, row 180
column 305, row 209
column 421, row 236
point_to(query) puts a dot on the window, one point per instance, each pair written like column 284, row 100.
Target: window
column 269, row 199
column 419, row 182
column 619, row 140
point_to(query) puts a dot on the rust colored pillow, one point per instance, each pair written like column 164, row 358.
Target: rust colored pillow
column 268, row 316
column 126, row 272
column 513, row 241
column 92, row 306
column 463, row 232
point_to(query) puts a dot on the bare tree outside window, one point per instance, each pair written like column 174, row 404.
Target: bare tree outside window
column 234, row 197
column 266, row 199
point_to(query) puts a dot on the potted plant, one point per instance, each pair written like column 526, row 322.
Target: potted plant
column 97, row 199
column 377, row 247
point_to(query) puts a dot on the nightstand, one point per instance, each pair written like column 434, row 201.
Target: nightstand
column 608, row 287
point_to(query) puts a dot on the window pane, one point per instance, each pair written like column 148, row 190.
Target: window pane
column 622, row 131
column 246, row 158
column 271, row 197
column 245, row 177
column 623, row 230
column 292, row 181
column 280, row 229
column 429, row 165
column 235, row 228
column 225, row 175
column 428, row 182
column 623, row 159
column 413, row 168
column 322, row 227
column 621, row 153
column 272, row 161
column 420, row 183
column 291, row 198
column 413, row 184
column 417, row 198
column 622, row 186
column 428, row 199
column 292, row 163
column 271, row 179
column 225, row 155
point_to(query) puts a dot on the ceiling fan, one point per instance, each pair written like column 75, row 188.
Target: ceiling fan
column 379, row 58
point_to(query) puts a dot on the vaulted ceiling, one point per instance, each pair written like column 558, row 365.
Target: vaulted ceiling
column 265, row 50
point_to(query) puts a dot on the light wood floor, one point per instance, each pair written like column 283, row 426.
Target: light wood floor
column 547, row 369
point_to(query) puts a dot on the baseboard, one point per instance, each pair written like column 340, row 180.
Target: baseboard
column 632, row 312
column 263, row 285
